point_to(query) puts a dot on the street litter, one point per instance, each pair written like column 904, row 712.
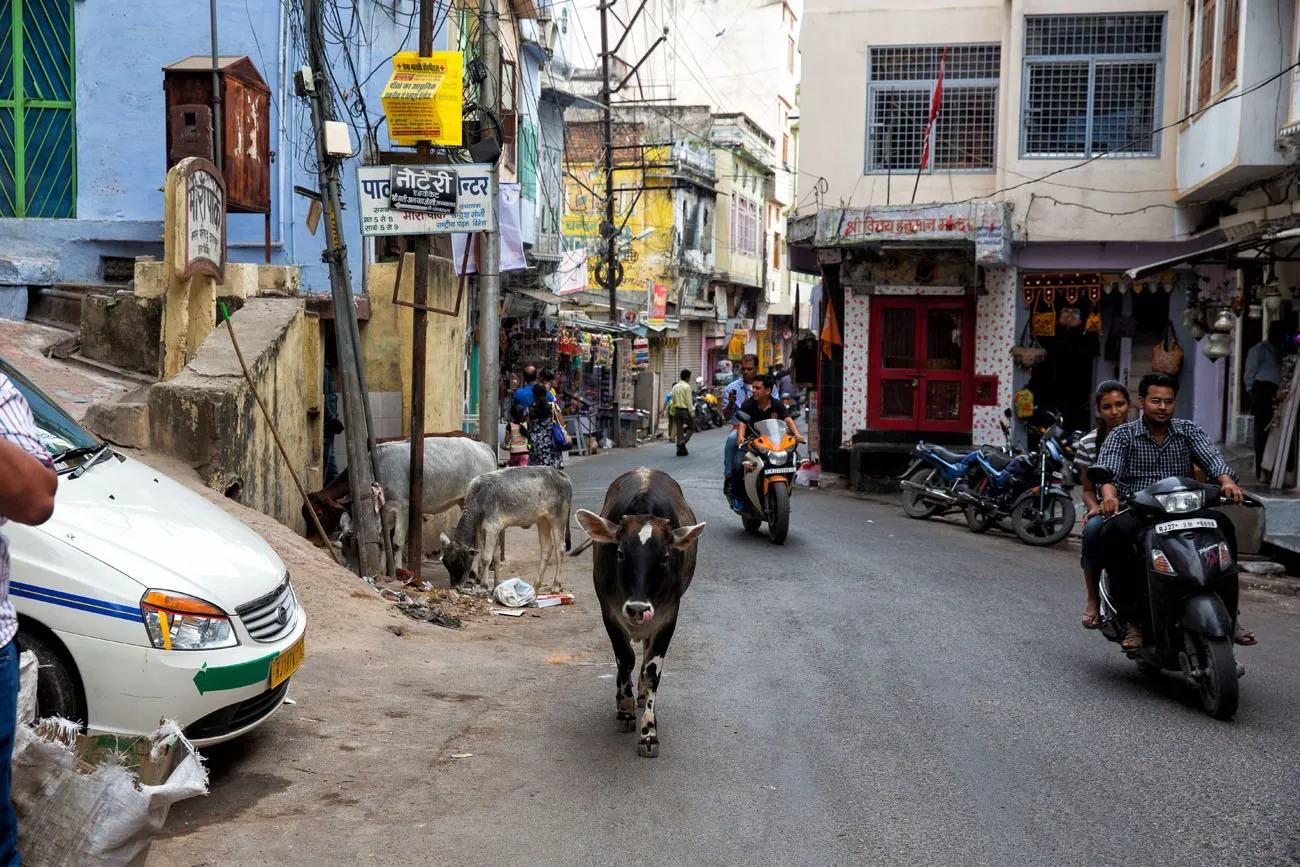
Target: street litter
column 429, row 612
column 86, row 800
column 509, row 612
column 808, row 475
column 514, row 593
column 462, row 755
column 550, row 600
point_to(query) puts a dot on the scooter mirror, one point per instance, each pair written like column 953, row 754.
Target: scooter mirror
column 1007, row 413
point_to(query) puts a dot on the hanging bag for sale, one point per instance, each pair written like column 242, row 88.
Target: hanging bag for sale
column 1024, row 403
column 1027, row 353
column 1044, row 320
column 1167, row 357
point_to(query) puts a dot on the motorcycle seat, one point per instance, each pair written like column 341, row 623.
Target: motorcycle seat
column 997, row 459
column 944, row 454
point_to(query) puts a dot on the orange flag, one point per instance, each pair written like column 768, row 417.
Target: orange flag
column 830, row 331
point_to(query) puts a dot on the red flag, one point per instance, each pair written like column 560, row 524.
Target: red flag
column 936, row 102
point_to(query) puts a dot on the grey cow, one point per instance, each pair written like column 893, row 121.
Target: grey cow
column 450, row 465
column 513, row 497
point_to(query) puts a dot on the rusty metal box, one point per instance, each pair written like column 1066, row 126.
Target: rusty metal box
column 245, row 125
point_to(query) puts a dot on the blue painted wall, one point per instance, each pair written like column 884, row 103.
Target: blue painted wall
column 121, row 162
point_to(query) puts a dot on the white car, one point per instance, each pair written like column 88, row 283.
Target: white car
column 143, row 601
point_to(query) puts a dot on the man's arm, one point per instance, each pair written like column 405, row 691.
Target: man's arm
column 27, row 480
column 1209, row 458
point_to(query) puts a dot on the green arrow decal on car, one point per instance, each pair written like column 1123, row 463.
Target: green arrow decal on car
column 233, row 676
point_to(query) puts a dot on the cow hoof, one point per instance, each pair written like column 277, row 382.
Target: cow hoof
column 626, row 723
column 648, row 749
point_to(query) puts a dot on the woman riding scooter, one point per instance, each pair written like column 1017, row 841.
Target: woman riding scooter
column 1111, row 401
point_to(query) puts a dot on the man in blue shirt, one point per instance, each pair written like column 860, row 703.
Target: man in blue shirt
column 733, row 398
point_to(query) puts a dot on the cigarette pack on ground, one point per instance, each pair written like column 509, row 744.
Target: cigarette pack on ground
column 548, row 600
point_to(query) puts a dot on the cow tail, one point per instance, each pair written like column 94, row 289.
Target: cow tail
column 578, row 550
column 568, row 519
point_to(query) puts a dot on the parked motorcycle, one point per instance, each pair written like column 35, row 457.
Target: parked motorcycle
column 931, row 484
column 1189, row 569
column 1026, row 489
column 703, row 420
column 771, row 457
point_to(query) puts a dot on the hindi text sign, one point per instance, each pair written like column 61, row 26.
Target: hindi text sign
column 475, row 211
column 422, row 100
column 201, row 239
column 424, row 189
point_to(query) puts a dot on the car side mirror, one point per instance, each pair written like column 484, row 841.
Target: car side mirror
column 1099, row 475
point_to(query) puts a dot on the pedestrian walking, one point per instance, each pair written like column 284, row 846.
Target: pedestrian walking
column 27, row 485
column 682, row 403
column 517, row 437
column 1263, row 377
column 541, row 435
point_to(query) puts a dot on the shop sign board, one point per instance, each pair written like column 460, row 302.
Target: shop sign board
column 423, row 98
column 658, row 305
column 474, row 209
column 985, row 224
column 425, row 189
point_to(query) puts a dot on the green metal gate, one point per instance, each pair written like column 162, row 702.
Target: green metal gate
column 38, row 130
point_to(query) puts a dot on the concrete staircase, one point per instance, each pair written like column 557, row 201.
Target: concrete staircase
column 60, row 306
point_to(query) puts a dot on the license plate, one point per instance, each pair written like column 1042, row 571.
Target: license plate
column 288, row 661
column 1186, row 524
column 777, row 471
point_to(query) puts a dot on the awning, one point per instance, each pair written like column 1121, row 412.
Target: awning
column 1220, row 253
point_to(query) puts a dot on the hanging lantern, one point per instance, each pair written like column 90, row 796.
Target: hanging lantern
column 1223, row 321
column 1255, row 311
column 1219, row 345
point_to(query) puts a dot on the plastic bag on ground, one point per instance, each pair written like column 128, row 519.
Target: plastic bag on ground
column 515, row 593
column 94, row 801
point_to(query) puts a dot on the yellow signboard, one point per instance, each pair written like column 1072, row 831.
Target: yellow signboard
column 422, row 99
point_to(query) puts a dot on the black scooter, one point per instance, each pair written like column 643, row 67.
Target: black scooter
column 1189, row 572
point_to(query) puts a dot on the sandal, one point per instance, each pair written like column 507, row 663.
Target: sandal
column 1132, row 639
column 1243, row 637
column 1091, row 621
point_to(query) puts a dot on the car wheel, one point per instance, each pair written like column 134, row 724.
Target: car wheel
column 58, row 690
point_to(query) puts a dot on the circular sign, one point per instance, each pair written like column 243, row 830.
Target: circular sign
column 630, row 317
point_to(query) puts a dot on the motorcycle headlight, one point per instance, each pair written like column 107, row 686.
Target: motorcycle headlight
column 175, row 621
column 1183, row 501
column 779, row 456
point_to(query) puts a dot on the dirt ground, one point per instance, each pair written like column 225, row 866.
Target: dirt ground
column 382, row 705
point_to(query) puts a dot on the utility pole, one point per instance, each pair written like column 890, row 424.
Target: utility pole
column 489, row 260
column 613, row 270
column 419, row 351
column 217, row 154
column 314, row 83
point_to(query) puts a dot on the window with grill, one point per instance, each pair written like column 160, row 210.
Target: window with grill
column 1205, row 86
column 1231, row 39
column 38, row 133
column 744, row 225
column 899, row 90
column 1092, row 85
column 1189, row 57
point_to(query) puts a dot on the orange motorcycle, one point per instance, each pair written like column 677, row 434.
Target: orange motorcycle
column 771, row 458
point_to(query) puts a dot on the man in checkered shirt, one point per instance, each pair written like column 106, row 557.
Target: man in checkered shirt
column 27, row 483
column 1137, row 455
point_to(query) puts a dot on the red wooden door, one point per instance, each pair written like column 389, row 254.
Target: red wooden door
column 921, row 364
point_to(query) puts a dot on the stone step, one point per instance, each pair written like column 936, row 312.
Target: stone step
column 60, row 305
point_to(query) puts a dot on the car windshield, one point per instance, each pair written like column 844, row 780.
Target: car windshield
column 58, row 431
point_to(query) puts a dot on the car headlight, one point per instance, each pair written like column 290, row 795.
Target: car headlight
column 175, row 621
column 1183, row 501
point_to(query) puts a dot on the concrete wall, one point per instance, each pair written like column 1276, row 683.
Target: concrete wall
column 737, row 175
column 1241, row 133
column 386, row 344
column 832, row 119
column 207, row 417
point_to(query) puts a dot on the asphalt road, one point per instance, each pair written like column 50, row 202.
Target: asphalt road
column 881, row 691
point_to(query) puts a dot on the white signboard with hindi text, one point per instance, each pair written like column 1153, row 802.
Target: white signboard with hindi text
column 474, row 208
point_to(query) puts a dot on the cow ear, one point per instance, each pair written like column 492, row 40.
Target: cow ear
column 599, row 529
column 684, row 537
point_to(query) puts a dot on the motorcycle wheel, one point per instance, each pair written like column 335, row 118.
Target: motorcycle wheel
column 1047, row 527
column 779, row 525
column 913, row 505
column 1218, row 683
column 977, row 521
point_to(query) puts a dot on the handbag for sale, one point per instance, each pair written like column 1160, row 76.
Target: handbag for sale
column 1070, row 317
column 1028, row 352
column 1024, row 403
column 1093, row 325
column 1044, row 322
column 1167, row 356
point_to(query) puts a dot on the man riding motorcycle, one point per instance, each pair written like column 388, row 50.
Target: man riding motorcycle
column 1137, row 455
column 733, row 398
column 760, row 407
